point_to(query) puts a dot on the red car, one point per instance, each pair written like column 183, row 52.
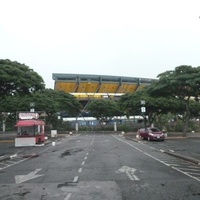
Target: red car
column 151, row 134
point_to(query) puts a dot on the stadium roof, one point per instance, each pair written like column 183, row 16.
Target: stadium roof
column 84, row 86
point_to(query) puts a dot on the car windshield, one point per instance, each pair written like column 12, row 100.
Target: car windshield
column 154, row 130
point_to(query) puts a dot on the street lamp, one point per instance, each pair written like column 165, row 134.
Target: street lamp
column 143, row 111
column 32, row 105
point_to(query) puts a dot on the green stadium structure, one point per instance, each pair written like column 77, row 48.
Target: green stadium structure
column 86, row 87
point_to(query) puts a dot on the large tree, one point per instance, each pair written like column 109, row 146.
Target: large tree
column 56, row 101
column 182, row 84
column 18, row 79
column 130, row 103
column 104, row 109
column 47, row 100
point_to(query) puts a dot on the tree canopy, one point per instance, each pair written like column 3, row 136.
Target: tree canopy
column 18, row 79
column 47, row 100
column 155, row 106
column 176, row 91
column 182, row 84
column 104, row 109
column 20, row 85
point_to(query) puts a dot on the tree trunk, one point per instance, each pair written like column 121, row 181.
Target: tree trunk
column 185, row 128
column 187, row 118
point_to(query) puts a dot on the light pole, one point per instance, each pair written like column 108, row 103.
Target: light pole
column 5, row 116
column 143, row 111
column 32, row 106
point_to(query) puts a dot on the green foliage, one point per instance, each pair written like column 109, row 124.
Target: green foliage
column 175, row 95
column 49, row 101
column 18, row 79
column 20, row 85
column 52, row 101
column 155, row 106
column 104, row 109
column 130, row 103
column 180, row 84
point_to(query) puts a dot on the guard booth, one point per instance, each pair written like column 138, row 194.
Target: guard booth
column 30, row 132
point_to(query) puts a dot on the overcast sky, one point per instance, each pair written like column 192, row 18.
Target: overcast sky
column 135, row 38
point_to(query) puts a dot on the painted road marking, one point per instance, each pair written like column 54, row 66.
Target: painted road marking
column 18, row 159
column 3, row 163
column 83, row 163
column 175, row 168
column 31, row 175
column 92, row 141
column 129, row 172
column 9, row 162
column 80, row 170
column 68, row 196
column 75, row 179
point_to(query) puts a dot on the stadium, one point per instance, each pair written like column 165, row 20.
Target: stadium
column 86, row 87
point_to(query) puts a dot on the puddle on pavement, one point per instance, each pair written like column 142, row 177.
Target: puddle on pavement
column 69, row 152
column 31, row 156
column 22, row 194
column 66, row 184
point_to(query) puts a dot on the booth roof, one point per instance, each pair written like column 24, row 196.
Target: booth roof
column 29, row 122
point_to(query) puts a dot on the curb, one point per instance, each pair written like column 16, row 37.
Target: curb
column 187, row 158
column 129, row 138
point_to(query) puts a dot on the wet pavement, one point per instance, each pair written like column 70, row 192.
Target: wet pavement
column 187, row 148
column 8, row 149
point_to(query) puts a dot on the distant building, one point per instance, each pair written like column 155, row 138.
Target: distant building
column 86, row 87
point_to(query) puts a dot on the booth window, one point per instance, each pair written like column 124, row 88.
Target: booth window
column 29, row 130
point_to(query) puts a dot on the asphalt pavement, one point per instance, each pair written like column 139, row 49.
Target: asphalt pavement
column 8, row 149
column 186, row 152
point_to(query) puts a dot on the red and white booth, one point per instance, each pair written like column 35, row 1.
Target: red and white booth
column 30, row 130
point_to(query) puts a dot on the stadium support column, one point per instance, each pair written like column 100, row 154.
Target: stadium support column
column 76, row 125
column 115, row 125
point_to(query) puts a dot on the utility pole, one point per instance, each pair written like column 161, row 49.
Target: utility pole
column 143, row 111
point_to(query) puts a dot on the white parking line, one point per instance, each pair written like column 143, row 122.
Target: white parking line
column 80, row 170
column 175, row 165
column 191, row 170
column 9, row 162
column 68, row 196
column 5, row 164
column 20, row 159
column 13, row 156
column 187, row 174
column 193, row 173
column 75, row 179
column 83, row 163
column 92, row 141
